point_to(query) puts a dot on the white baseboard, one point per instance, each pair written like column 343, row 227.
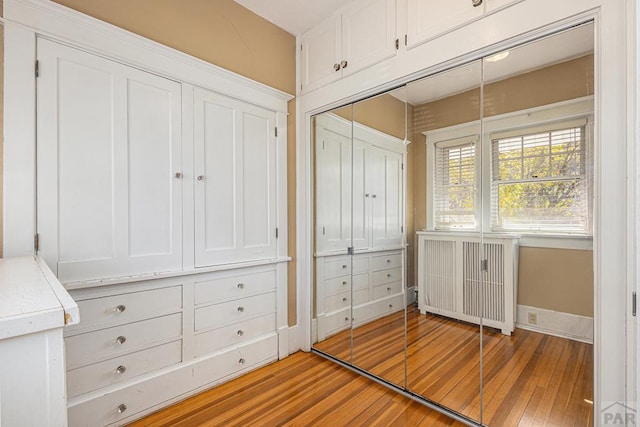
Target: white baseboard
column 411, row 295
column 559, row 324
column 294, row 339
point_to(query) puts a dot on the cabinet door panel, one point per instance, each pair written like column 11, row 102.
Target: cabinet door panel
column 361, row 199
column 427, row 19
column 235, row 185
column 320, row 52
column 333, row 191
column 368, row 34
column 385, row 180
column 109, row 142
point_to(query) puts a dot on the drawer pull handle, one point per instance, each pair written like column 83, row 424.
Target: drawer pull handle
column 346, row 319
column 240, row 309
column 240, row 285
column 388, row 274
column 388, row 261
column 389, row 289
column 344, row 299
column 120, row 308
column 390, row 305
column 240, row 332
column 241, row 361
column 344, row 265
column 121, row 408
column 121, row 369
column 344, row 282
column 121, row 339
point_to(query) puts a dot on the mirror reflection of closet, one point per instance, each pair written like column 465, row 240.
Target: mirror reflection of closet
column 379, row 266
column 443, row 328
column 332, row 310
column 537, row 181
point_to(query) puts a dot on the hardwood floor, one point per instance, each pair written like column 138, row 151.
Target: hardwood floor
column 529, row 379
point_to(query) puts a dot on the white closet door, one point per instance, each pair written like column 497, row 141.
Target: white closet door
column 385, row 180
column 235, row 189
column 108, row 147
column 361, row 222
column 333, row 191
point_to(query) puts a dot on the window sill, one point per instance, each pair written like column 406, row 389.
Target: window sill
column 582, row 243
column 551, row 241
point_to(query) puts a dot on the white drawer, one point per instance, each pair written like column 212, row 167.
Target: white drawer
column 228, row 288
column 387, row 290
column 361, row 296
column 360, row 264
column 383, row 262
column 122, row 405
column 377, row 309
column 113, row 371
column 338, row 302
column 234, row 360
column 337, row 321
column 387, row 276
column 233, row 335
column 337, row 285
column 92, row 347
column 226, row 313
column 126, row 308
column 336, row 267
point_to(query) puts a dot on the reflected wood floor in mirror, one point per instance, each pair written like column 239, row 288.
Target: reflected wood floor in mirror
column 302, row 390
column 530, row 379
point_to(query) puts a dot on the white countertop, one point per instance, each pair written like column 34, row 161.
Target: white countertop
column 32, row 299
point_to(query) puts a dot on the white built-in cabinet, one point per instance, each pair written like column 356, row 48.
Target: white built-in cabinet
column 359, row 187
column 235, row 169
column 360, row 35
column 158, row 208
column 109, row 146
column 368, row 32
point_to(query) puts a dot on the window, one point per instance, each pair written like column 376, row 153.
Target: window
column 529, row 173
column 455, row 183
column 539, row 180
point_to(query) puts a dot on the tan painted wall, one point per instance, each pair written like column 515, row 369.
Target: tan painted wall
column 226, row 34
column 548, row 278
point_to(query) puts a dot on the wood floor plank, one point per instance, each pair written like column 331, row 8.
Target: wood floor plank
column 529, row 379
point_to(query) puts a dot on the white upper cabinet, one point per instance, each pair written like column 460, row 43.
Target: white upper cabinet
column 427, row 19
column 235, row 180
column 109, row 146
column 492, row 5
column 357, row 37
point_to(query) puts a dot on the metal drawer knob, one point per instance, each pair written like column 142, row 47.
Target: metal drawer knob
column 390, row 305
column 240, row 333
column 388, row 261
column 344, row 282
column 240, row 309
column 388, row 274
column 389, row 289
column 240, row 285
column 344, row 265
column 121, row 339
column 344, row 299
column 200, row 178
column 346, row 319
column 476, row 3
column 121, row 369
column 121, row 408
column 177, row 175
column 120, row 308
column 336, row 67
column 241, row 361
column 344, row 64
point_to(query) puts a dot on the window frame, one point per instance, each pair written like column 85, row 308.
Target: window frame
column 519, row 121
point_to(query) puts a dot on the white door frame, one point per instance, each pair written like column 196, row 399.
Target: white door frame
column 615, row 220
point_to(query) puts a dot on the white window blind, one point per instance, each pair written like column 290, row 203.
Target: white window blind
column 455, row 182
column 540, row 180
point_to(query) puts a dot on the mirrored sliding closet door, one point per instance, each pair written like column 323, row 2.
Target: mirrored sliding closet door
column 537, row 177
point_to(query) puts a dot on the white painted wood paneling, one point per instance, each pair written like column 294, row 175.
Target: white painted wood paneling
column 109, row 144
column 235, row 187
column 368, row 34
column 321, row 52
column 429, row 18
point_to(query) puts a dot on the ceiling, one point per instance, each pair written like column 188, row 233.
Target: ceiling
column 542, row 53
column 294, row 16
